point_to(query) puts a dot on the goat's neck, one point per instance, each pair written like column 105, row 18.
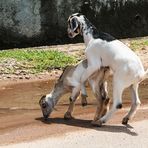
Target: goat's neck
column 90, row 32
column 87, row 31
column 55, row 95
column 87, row 37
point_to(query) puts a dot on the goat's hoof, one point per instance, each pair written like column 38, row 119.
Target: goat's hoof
column 84, row 103
column 97, row 123
column 68, row 116
column 95, row 119
column 125, row 121
column 84, row 100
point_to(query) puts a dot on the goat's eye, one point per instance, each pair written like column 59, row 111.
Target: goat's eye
column 44, row 105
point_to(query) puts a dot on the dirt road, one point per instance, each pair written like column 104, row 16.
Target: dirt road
column 21, row 118
column 108, row 136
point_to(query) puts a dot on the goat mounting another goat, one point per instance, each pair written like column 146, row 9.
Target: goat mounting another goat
column 103, row 50
column 68, row 81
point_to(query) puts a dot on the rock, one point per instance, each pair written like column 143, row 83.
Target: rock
column 27, row 77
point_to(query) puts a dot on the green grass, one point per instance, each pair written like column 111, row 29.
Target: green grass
column 138, row 44
column 38, row 60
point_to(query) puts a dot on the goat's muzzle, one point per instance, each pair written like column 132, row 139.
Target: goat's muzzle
column 70, row 35
column 45, row 107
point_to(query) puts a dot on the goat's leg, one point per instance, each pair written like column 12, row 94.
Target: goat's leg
column 117, row 101
column 103, row 90
column 99, row 105
column 93, row 64
column 88, row 72
column 96, row 90
column 102, row 101
column 102, row 109
column 135, row 103
column 105, row 107
column 72, row 99
column 98, row 110
column 68, row 114
column 105, row 98
column 75, row 93
column 99, row 87
column 83, row 94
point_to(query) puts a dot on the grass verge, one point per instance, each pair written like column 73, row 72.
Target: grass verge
column 33, row 60
column 138, row 44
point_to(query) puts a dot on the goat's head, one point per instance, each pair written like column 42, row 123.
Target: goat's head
column 75, row 25
column 46, row 104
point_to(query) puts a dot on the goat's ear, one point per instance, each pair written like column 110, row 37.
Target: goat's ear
column 74, row 24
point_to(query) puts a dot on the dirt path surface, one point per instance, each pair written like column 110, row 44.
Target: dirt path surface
column 21, row 119
column 108, row 136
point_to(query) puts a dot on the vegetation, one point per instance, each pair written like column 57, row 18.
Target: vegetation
column 34, row 60
column 138, row 44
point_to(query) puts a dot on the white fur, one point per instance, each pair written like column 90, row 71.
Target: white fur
column 125, row 64
column 68, row 83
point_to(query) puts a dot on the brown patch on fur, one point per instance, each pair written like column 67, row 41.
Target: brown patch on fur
column 107, row 101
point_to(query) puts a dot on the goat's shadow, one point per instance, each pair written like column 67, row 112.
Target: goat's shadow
column 87, row 124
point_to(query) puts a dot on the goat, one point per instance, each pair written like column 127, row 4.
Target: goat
column 67, row 82
column 101, row 50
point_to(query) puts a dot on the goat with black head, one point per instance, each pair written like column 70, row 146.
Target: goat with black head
column 102, row 50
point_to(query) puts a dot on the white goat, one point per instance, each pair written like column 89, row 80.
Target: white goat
column 68, row 81
column 104, row 50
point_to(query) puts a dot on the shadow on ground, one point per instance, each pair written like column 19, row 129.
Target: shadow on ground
column 87, row 124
